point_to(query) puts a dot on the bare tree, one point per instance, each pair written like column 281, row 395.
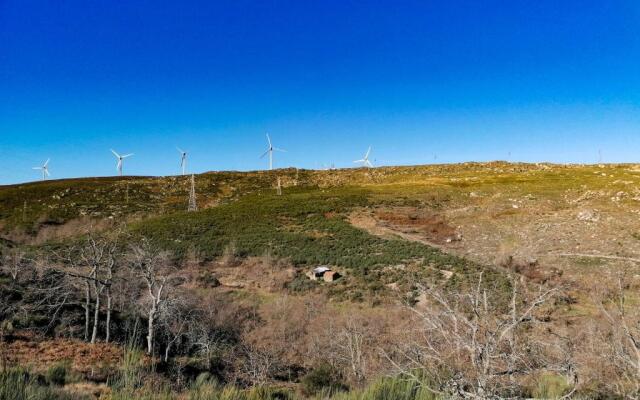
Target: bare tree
column 353, row 342
column 152, row 266
column 67, row 262
column 49, row 292
column 205, row 335
column 98, row 256
column 622, row 339
column 110, row 267
column 14, row 261
column 175, row 317
column 258, row 366
column 92, row 263
column 351, row 346
column 471, row 346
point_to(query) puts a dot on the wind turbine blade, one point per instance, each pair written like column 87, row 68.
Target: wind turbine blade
column 47, row 163
column 115, row 154
column 369, row 164
column 37, row 168
column 357, row 161
column 269, row 140
column 265, row 153
column 119, row 164
column 46, row 171
column 368, row 152
column 127, row 155
column 281, row 150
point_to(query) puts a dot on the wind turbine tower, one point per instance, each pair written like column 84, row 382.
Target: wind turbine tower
column 270, row 151
column 44, row 169
column 599, row 156
column 183, row 159
column 120, row 160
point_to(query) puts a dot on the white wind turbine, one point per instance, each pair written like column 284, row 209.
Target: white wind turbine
column 183, row 159
column 365, row 161
column 120, row 160
column 44, row 169
column 270, row 151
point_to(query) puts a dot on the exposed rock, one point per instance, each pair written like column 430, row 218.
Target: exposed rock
column 231, row 283
column 588, row 216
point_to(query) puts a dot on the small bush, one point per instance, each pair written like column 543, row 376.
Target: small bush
column 551, row 386
column 395, row 388
column 324, row 378
column 301, row 284
column 207, row 279
column 202, row 389
column 211, row 391
column 19, row 384
column 131, row 369
column 57, row 373
column 228, row 257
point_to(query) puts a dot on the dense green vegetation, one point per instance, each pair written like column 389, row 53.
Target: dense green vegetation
column 56, row 202
column 305, row 225
column 20, row 384
column 29, row 206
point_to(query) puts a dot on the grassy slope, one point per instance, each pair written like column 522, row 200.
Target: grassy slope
column 307, row 223
column 308, row 227
column 27, row 206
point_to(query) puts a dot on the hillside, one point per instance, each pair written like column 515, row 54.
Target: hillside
column 394, row 234
column 497, row 209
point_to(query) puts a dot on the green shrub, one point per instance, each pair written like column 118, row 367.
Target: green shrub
column 323, row 378
column 301, row 284
column 145, row 393
column 57, row 373
column 395, row 388
column 211, row 391
column 19, row 384
column 131, row 369
column 551, row 386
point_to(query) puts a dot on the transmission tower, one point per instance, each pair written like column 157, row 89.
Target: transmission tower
column 192, row 195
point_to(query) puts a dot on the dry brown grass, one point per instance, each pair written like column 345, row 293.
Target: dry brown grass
column 97, row 361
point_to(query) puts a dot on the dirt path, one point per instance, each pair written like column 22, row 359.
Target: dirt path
column 370, row 224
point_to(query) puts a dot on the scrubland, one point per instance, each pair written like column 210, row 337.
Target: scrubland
column 478, row 280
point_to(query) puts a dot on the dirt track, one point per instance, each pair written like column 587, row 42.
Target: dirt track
column 369, row 223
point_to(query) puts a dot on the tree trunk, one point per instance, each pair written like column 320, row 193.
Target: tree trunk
column 152, row 315
column 166, row 351
column 3, row 351
column 96, row 315
column 108, row 323
column 87, row 304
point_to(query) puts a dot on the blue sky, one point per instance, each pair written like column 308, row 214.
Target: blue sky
column 420, row 81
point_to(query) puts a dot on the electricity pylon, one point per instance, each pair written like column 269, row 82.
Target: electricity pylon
column 193, row 206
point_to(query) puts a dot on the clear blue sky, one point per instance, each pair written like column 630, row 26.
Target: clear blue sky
column 460, row 80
